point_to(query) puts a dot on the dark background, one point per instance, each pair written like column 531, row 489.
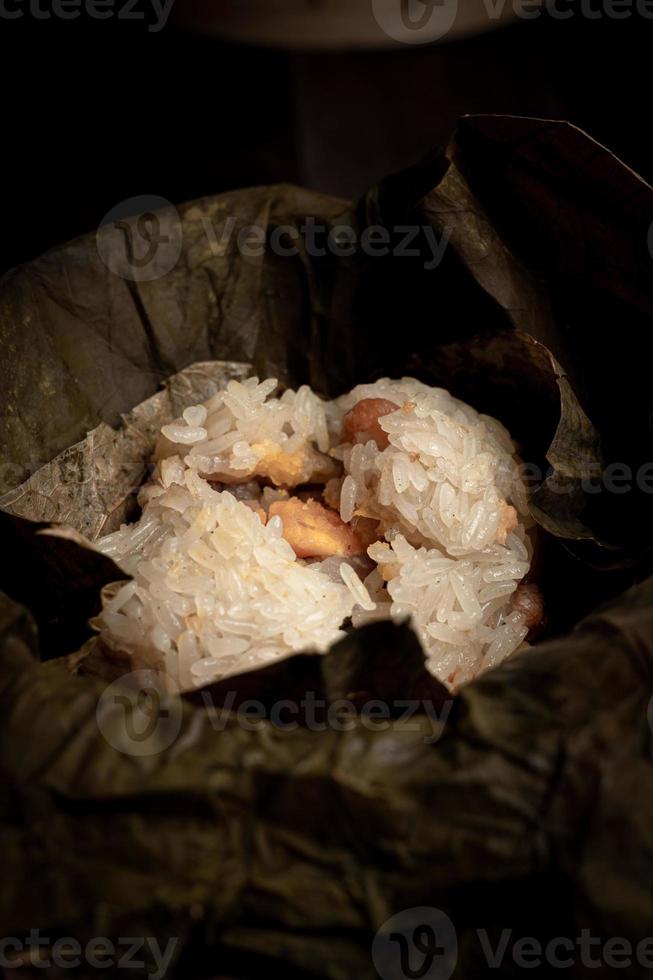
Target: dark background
column 98, row 111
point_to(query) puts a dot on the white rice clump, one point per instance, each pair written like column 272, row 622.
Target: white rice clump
column 214, row 589
column 218, row 591
column 240, row 427
column 442, row 490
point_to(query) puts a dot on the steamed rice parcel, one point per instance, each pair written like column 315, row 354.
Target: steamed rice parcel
column 271, row 524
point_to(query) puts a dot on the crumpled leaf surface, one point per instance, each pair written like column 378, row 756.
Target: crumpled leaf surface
column 259, row 845
column 579, row 220
column 84, row 345
column 86, row 491
column 574, row 453
column 91, row 486
column 285, row 849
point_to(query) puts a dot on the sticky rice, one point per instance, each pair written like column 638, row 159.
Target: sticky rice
column 271, row 524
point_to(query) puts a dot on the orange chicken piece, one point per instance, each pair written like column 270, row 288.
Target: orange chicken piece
column 362, row 423
column 313, row 531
